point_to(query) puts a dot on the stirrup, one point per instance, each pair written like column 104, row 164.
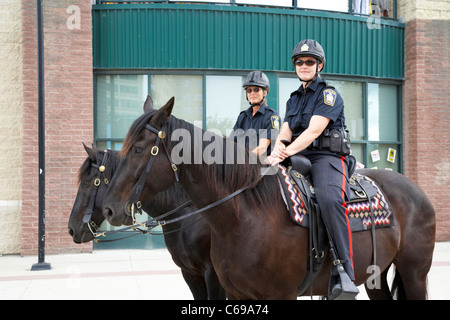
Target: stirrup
column 344, row 288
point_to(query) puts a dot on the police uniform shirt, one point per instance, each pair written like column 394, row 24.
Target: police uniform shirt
column 318, row 99
column 264, row 119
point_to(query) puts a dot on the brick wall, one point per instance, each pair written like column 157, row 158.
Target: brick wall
column 426, row 113
column 68, row 117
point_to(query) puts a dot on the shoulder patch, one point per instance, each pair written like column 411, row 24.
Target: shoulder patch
column 275, row 122
column 329, row 97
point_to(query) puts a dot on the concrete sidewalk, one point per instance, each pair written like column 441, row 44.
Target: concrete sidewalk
column 136, row 275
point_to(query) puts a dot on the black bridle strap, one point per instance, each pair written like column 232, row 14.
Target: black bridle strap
column 139, row 187
column 101, row 169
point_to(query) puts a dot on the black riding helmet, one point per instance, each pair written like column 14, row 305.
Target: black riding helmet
column 309, row 48
column 257, row 79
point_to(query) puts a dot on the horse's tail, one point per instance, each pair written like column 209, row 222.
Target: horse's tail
column 398, row 290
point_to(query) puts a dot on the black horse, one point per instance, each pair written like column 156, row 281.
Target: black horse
column 188, row 241
column 256, row 249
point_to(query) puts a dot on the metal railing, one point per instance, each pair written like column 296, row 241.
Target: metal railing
column 380, row 8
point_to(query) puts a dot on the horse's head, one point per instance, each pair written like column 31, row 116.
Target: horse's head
column 94, row 175
column 145, row 166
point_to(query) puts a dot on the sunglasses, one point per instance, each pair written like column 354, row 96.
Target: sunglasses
column 309, row 63
column 249, row 90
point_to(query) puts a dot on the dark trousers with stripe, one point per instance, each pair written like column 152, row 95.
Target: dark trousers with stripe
column 329, row 178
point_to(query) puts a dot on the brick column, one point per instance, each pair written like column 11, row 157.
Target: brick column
column 426, row 103
column 69, row 117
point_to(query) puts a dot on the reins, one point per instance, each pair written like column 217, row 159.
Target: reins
column 155, row 222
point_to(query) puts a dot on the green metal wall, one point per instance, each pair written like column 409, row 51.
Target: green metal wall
column 189, row 36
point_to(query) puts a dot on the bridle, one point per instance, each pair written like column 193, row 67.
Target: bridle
column 87, row 218
column 134, row 204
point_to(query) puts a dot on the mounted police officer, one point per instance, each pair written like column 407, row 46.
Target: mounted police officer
column 315, row 126
column 259, row 123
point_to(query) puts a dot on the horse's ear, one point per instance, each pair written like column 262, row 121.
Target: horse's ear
column 148, row 104
column 169, row 106
column 91, row 152
column 163, row 114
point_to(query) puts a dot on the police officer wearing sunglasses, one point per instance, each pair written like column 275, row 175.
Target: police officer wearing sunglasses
column 256, row 126
column 315, row 126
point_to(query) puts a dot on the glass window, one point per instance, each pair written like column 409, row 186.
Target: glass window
column 331, row 5
column 357, row 150
column 383, row 156
column 352, row 94
column 283, row 3
column 285, row 87
column 208, row 1
column 188, row 93
column 225, row 99
column 119, row 102
column 382, row 112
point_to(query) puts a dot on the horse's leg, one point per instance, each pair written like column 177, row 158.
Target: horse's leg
column 382, row 292
column 413, row 262
column 415, row 218
column 414, row 258
column 196, row 284
column 413, row 269
column 213, row 286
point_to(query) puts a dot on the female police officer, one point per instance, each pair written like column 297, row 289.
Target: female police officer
column 315, row 126
column 259, row 123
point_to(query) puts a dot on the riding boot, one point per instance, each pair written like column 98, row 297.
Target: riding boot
column 341, row 286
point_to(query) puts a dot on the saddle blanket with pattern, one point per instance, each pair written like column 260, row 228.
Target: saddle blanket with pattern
column 357, row 206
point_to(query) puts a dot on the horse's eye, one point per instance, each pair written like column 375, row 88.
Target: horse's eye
column 138, row 150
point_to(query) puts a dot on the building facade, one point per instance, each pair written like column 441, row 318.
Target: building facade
column 102, row 58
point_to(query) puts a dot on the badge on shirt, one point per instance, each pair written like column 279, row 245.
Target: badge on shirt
column 329, row 97
column 275, row 122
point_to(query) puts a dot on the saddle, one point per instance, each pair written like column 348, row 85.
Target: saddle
column 366, row 204
column 299, row 197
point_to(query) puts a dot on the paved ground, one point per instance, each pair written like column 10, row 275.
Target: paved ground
column 136, row 275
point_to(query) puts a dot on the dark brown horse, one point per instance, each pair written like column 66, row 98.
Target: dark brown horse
column 188, row 241
column 257, row 251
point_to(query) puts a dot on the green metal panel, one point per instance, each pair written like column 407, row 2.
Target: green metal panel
column 190, row 36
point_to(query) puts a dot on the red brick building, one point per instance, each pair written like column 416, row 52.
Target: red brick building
column 70, row 98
